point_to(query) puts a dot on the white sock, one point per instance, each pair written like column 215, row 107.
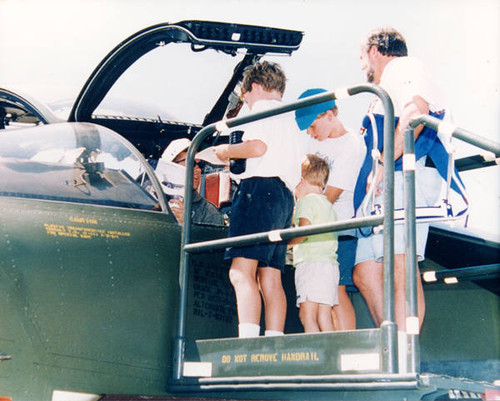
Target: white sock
column 273, row 333
column 248, row 330
column 402, row 351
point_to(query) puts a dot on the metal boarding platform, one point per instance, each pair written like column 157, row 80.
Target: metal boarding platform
column 359, row 364
column 317, row 354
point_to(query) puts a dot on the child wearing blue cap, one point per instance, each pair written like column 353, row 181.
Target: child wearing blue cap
column 344, row 151
column 263, row 202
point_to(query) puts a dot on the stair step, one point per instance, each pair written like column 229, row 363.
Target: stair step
column 344, row 352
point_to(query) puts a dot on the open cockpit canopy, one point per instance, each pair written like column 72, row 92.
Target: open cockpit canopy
column 199, row 36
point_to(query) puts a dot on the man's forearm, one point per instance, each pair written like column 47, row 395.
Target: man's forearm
column 416, row 107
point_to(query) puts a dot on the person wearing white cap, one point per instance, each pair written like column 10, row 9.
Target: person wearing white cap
column 203, row 212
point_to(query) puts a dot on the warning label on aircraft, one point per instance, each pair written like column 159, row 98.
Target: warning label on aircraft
column 76, row 230
column 213, row 296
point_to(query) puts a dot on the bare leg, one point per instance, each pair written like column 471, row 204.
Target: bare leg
column 400, row 293
column 420, row 299
column 368, row 277
column 308, row 313
column 274, row 298
column 243, row 278
column 325, row 321
column 343, row 314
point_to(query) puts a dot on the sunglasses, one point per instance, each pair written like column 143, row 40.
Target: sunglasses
column 201, row 164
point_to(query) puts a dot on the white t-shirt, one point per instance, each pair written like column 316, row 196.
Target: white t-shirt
column 281, row 135
column 403, row 78
column 345, row 156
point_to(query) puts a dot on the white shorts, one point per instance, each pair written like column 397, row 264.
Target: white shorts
column 317, row 282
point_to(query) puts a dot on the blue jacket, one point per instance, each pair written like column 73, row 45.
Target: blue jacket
column 428, row 143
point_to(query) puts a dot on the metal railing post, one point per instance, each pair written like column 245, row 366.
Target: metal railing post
column 388, row 326
column 412, row 322
column 185, row 257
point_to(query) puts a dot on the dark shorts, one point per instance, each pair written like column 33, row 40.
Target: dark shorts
column 261, row 204
column 346, row 255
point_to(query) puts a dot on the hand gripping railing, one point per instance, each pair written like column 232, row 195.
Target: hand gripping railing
column 388, row 327
column 447, row 130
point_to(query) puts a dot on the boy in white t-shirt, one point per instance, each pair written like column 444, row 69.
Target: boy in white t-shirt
column 263, row 201
column 315, row 256
column 344, row 152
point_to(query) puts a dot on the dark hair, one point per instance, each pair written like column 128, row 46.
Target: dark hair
column 269, row 75
column 388, row 42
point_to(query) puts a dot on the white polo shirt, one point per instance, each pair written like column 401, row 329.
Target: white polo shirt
column 281, row 135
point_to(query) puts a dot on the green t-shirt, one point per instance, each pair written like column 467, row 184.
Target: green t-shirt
column 320, row 247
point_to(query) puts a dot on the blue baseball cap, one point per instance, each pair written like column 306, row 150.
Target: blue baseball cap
column 306, row 116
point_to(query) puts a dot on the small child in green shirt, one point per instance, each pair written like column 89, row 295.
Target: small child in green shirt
column 315, row 256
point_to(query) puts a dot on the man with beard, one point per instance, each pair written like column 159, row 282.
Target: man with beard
column 384, row 58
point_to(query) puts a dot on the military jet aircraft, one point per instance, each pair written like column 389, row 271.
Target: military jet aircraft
column 98, row 303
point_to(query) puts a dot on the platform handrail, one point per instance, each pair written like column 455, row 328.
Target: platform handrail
column 284, row 234
column 447, row 130
column 389, row 358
